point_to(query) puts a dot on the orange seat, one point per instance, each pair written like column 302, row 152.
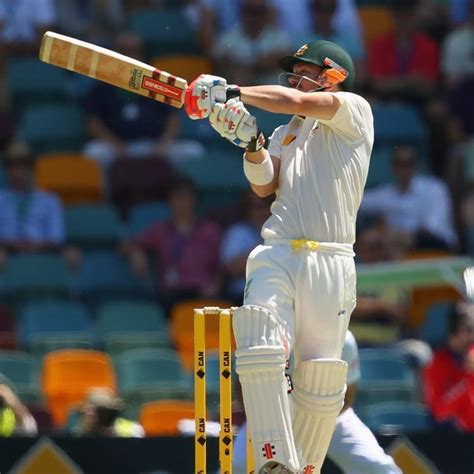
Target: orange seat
column 69, row 374
column 426, row 254
column 161, row 418
column 186, row 66
column 182, row 327
column 75, row 178
column 376, row 20
column 422, row 298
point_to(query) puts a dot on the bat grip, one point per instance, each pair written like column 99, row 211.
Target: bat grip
column 232, row 92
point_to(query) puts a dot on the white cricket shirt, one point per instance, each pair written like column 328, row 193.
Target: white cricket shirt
column 324, row 166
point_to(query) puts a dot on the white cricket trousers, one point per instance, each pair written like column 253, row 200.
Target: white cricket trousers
column 312, row 294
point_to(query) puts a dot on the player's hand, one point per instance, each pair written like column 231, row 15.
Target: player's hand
column 201, row 95
column 234, row 122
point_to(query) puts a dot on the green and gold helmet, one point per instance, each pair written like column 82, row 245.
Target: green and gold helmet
column 321, row 53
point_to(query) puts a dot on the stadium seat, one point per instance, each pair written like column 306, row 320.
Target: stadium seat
column 52, row 127
column 7, row 328
column 135, row 181
column 69, row 374
column 380, row 169
column 93, row 226
column 31, row 81
column 385, row 376
column 376, row 20
column 151, row 374
column 199, row 130
column 434, row 328
column 182, row 328
column 187, row 66
column 30, row 276
column 21, row 371
column 51, row 325
column 398, row 417
column 75, row 178
column 164, row 31
column 105, row 275
column 124, row 325
column 161, row 418
column 144, row 215
column 267, row 122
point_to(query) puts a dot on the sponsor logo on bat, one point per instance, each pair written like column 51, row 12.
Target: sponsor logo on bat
column 159, row 87
column 135, row 79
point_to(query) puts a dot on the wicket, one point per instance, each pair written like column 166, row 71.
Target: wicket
column 225, row 391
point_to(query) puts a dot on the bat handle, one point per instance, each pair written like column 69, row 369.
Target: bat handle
column 232, row 92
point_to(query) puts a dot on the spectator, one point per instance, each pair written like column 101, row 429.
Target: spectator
column 15, row 419
column 449, row 378
column 186, row 249
column 248, row 53
column 100, row 416
column 322, row 13
column 92, row 20
column 239, row 240
column 23, row 22
column 127, row 125
column 30, row 220
column 457, row 58
column 404, row 63
column 407, row 205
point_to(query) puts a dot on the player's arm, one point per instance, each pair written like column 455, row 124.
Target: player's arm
column 257, row 158
column 284, row 100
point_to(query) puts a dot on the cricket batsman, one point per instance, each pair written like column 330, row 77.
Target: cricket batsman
column 301, row 282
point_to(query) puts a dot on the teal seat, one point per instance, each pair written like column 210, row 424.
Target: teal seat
column 380, row 169
column 22, row 370
column 31, row 81
column 199, row 130
column 398, row 417
column 267, row 122
column 164, row 31
column 385, row 376
column 31, row 276
column 146, row 214
column 52, row 127
column 106, row 275
column 151, row 374
column 125, row 325
column 46, row 326
column 93, row 226
column 435, row 326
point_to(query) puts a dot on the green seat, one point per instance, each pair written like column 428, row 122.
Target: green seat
column 164, row 31
column 35, row 276
column 151, row 374
column 32, row 81
column 22, row 370
column 93, row 226
column 52, row 127
column 125, row 325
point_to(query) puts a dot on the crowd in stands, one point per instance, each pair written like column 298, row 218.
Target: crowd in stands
column 115, row 209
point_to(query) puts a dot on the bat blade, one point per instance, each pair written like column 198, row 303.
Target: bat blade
column 113, row 68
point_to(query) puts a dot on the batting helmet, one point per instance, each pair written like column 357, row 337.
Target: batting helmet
column 315, row 52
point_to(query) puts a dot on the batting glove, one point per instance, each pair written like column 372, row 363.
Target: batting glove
column 202, row 94
column 235, row 123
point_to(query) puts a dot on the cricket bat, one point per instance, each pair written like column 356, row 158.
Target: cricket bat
column 113, row 68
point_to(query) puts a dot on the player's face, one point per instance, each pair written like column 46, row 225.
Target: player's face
column 304, row 77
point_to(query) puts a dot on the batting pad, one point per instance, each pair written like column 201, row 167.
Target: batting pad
column 260, row 363
column 319, row 387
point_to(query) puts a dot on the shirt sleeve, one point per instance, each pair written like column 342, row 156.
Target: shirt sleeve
column 353, row 119
column 275, row 141
column 350, row 354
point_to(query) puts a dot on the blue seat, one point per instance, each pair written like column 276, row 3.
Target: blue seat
column 52, row 127
column 380, row 169
column 151, row 374
column 164, row 31
column 22, row 371
column 52, row 325
column 125, row 325
column 398, row 417
column 144, row 215
column 32, row 81
column 106, row 275
column 93, row 226
column 397, row 123
column 32, row 276
column 435, row 326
